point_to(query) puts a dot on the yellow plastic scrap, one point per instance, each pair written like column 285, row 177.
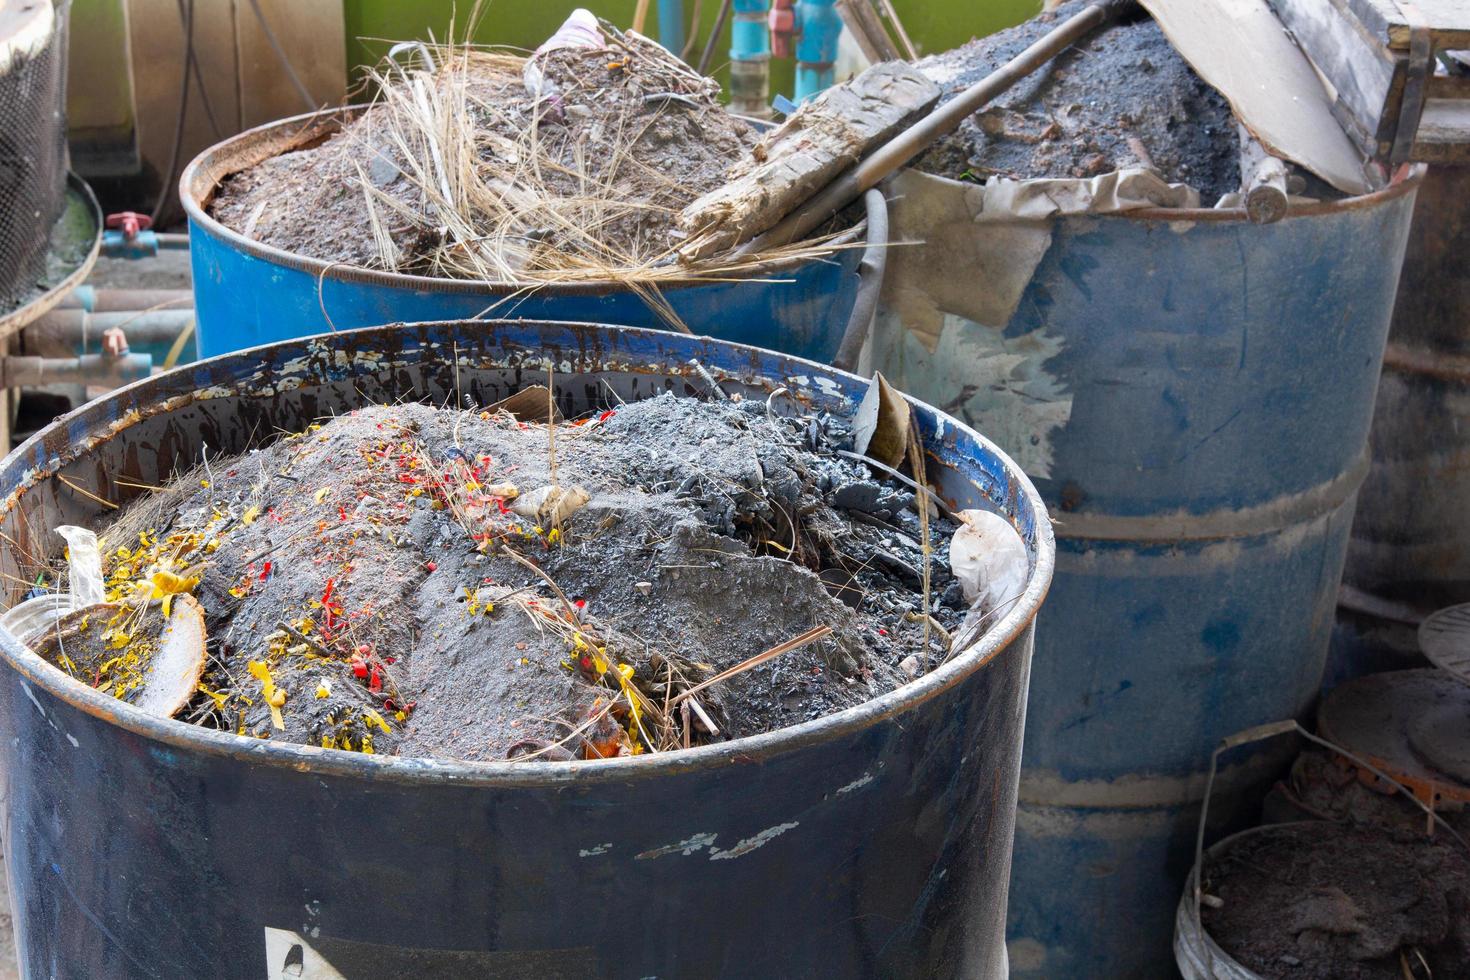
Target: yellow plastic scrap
column 371, row 716
column 218, row 697
column 323, row 689
column 250, row 515
column 274, row 696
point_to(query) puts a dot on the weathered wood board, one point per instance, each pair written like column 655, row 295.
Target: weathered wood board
column 801, row 156
column 1444, row 132
column 1448, row 21
column 1239, row 47
column 1366, row 60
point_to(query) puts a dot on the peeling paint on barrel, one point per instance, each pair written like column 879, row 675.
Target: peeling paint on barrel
column 199, row 847
column 1197, row 419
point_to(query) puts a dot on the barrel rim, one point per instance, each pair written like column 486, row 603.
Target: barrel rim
column 1189, row 940
column 1007, row 635
column 1406, row 178
column 201, row 179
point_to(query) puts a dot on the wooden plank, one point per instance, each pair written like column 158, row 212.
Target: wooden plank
column 1448, row 87
column 1368, row 79
column 313, row 36
column 1239, row 47
column 1448, row 21
column 801, row 156
column 1444, row 132
column 867, row 30
column 1366, row 145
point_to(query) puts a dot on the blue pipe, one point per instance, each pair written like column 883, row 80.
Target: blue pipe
column 671, row 24
column 143, row 245
column 750, row 57
column 819, row 27
column 748, row 37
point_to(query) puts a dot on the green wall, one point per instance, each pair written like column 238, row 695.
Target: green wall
column 935, row 25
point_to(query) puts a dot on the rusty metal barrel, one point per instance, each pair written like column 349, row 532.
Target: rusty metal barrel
column 1191, row 393
column 875, row 842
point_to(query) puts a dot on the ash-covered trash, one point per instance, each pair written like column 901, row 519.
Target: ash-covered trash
column 467, row 584
column 570, row 165
column 1326, row 901
column 1121, row 98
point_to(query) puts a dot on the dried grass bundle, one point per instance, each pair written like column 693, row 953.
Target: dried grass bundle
column 583, row 184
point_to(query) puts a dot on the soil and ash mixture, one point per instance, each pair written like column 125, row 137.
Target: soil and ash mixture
column 1322, row 787
column 399, row 580
column 593, row 173
column 1332, row 902
column 1076, row 116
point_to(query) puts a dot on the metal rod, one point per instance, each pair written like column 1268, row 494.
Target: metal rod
column 921, row 135
column 710, row 45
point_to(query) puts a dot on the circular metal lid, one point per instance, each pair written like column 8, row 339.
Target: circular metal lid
column 1445, row 639
column 1414, row 725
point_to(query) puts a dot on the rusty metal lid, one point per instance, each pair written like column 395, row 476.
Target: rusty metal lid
column 1445, row 639
column 1412, row 724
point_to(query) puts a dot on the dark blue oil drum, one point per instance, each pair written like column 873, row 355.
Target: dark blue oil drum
column 875, row 842
column 1192, row 394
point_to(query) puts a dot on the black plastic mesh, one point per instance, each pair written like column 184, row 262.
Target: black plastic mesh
column 32, row 160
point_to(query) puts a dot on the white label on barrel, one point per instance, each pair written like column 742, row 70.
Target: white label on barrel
column 293, row 956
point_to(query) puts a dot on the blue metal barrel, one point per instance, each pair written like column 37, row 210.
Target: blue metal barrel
column 248, row 294
column 1411, row 541
column 1191, row 394
column 875, row 842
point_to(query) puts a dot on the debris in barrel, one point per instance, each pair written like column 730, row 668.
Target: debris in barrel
column 468, row 583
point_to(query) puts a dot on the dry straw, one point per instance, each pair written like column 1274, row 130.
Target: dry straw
column 500, row 192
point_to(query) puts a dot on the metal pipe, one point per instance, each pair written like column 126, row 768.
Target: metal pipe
column 102, row 370
column 671, row 24
column 816, row 47
column 105, row 300
column 750, row 59
column 870, row 282
column 143, row 245
column 943, row 120
column 78, row 326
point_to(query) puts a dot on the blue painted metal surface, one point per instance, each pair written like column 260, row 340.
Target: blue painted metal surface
column 248, row 294
column 819, row 27
column 871, row 843
column 671, row 24
column 749, row 37
column 750, row 58
column 1192, row 395
column 1411, row 542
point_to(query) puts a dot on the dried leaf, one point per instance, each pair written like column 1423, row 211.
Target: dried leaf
column 881, row 426
column 527, row 405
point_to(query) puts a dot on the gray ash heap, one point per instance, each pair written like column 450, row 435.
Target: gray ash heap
column 482, row 585
column 1122, row 97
